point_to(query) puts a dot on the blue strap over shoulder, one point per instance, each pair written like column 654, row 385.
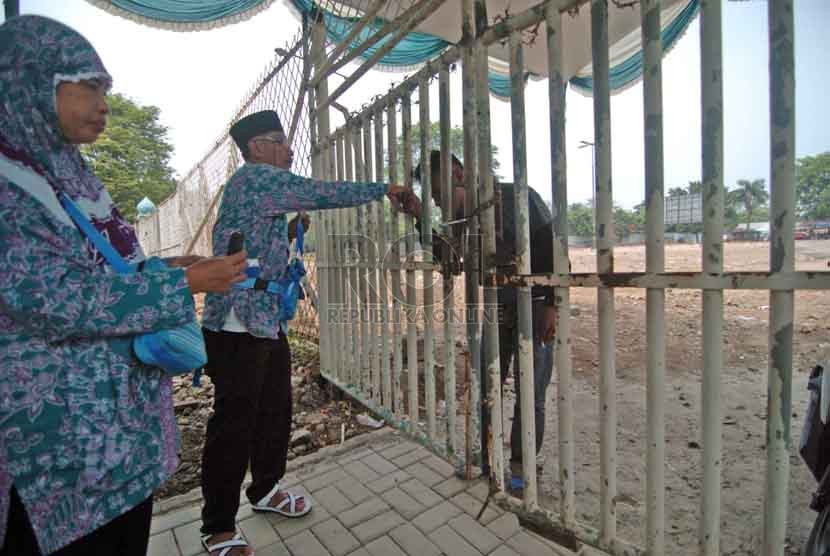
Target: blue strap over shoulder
column 176, row 350
column 104, row 247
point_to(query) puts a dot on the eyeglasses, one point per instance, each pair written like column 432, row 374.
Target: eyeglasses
column 279, row 140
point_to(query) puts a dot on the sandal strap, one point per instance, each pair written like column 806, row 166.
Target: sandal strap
column 266, row 500
column 291, row 500
column 225, row 546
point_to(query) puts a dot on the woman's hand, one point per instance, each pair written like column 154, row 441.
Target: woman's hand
column 217, row 274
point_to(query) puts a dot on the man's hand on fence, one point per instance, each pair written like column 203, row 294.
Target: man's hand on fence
column 404, row 200
column 292, row 226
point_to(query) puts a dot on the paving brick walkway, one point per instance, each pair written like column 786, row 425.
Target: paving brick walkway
column 377, row 495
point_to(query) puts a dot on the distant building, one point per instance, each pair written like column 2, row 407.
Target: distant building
column 757, row 231
column 145, row 207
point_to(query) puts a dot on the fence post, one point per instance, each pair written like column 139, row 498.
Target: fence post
column 448, row 291
column 524, row 301
column 605, row 265
column 655, row 256
column 559, row 194
column 711, row 82
column 392, row 139
column 782, row 259
column 411, row 299
column 471, row 250
column 426, row 246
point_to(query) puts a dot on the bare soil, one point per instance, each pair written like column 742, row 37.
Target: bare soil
column 745, row 356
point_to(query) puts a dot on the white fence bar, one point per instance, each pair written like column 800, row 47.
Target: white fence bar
column 383, row 289
column 372, row 252
column 448, row 257
column 397, row 314
column 524, row 301
column 352, row 274
column 490, row 364
column 782, row 259
column 605, row 265
column 426, row 246
column 411, row 299
column 559, row 194
column 655, row 262
column 711, row 69
column 471, row 251
column 340, row 301
column 363, row 249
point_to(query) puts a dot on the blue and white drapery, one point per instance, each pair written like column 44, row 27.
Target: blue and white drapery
column 416, row 48
column 627, row 56
column 184, row 15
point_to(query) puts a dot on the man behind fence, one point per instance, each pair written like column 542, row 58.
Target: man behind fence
column 544, row 314
column 249, row 360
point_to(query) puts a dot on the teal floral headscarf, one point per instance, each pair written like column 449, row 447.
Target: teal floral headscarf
column 36, row 55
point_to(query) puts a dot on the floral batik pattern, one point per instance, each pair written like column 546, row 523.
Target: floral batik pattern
column 87, row 432
column 255, row 202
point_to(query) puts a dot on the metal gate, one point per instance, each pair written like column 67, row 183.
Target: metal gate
column 377, row 293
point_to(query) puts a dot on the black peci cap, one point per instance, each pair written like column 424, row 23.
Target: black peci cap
column 254, row 124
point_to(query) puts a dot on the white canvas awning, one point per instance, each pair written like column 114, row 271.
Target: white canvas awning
column 623, row 30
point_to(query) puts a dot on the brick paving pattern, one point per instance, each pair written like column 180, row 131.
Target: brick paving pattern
column 386, row 497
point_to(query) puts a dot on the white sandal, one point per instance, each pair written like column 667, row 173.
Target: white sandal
column 224, row 547
column 290, row 500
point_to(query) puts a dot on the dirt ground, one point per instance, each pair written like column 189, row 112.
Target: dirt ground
column 746, row 316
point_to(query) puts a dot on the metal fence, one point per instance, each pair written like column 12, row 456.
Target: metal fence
column 386, row 337
column 408, row 345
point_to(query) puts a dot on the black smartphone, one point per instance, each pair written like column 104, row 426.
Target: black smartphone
column 236, row 243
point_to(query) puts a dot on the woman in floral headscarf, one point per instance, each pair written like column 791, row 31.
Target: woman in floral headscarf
column 86, row 431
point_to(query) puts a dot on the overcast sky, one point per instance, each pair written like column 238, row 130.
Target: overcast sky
column 197, row 80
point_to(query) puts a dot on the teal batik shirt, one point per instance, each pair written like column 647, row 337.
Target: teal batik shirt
column 87, row 432
column 255, row 202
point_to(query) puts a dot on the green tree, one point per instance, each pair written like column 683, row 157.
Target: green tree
column 629, row 221
column 695, row 187
column 132, row 156
column 750, row 195
column 580, row 220
column 812, row 186
column 677, row 192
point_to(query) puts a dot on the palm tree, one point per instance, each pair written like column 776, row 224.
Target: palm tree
column 695, row 187
column 750, row 194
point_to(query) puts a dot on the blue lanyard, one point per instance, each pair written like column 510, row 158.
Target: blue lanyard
column 104, row 247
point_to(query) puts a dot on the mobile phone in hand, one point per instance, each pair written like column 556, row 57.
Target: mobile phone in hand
column 236, row 242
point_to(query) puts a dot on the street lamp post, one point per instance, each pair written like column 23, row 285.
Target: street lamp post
column 582, row 145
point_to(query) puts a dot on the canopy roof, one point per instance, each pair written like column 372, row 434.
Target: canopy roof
column 623, row 30
column 440, row 30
